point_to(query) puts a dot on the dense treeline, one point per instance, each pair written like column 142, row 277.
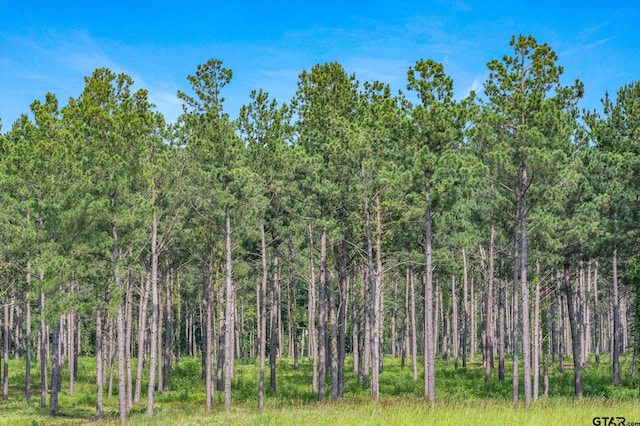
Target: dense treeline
column 348, row 221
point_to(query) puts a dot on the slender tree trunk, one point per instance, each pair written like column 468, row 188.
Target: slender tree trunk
column 526, row 339
column 489, row 308
column 228, row 359
column 429, row 340
column 27, row 376
column 333, row 326
column 208, row 334
column 313, row 342
column 536, row 334
column 262, row 316
column 465, row 318
column 55, row 372
column 454, row 313
column 514, row 306
column 322, row 323
column 128, row 331
column 123, row 399
column 615, row 353
column 99, row 364
column 342, row 313
column 273, row 321
column 142, row 331
column 501, row 327
column 596, row 315
column 575, row 338
column 6, row 344
column 377, row 307
column 155, row 305
column 168, row 326
column 414, row 334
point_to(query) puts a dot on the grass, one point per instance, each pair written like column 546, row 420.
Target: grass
column 461, row 398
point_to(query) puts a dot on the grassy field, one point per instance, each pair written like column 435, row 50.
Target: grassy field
column 461, row 399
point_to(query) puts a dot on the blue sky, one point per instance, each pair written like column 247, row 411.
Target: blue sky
column 49, row 46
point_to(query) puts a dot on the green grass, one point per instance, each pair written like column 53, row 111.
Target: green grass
column 461, row 398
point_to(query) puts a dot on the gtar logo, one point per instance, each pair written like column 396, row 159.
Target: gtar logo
column 609, row 421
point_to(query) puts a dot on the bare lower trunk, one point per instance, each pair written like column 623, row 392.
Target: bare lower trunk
column 155, row 306
column 55, row 372
column 123, row 399
column 617, row 334
column 575, row 338
column 322, row 323
column 313, row 342
column 168, row 327
column 414, row 339
column 273, row 321
column 27, row 377
column 142, row 332
column 429, row 329
column 489, row 309
column 208, row 335
column 262, row 317
column 99, row 364
column 536, row 335
column 514, row 307
column 6, row 344
column 228, row 342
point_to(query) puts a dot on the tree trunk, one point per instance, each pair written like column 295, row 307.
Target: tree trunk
column 228, row 344
column 128, row 331
column 342, row 313
column 6, row 344
column 208, row 334
column 273, row 320
column 313, row 342
column 575, row 338
column 322, row 323
column 55, row 372
column 526, row 339
column 454, row 313
column 596, row 315
column 262, row 316
column 414, row 334
column 153, row 342
column 536, row 334
column 123, row 399
column 429, row 340
column 615, row 353
column 514, row 305
column 168, row 326
column 489, row 309
column 142, row 331
column 99, row 365
column 27, row 367
column 465, row 318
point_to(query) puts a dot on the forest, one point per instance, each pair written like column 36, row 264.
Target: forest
column 347, row 229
